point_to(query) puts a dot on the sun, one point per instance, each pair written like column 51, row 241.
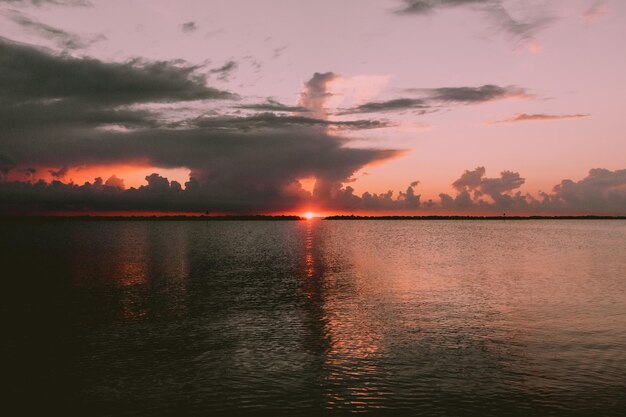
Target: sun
column 308, row 215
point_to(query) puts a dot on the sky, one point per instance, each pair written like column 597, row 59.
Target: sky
column 355, row 106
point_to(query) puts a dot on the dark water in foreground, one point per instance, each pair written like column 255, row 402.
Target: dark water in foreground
column 315, row 318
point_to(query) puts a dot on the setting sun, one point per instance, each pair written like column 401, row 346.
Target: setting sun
column 308, row 215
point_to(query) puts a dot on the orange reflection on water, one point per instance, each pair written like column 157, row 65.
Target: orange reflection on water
column 138, row 262
column 352, row 337
column 309, row 261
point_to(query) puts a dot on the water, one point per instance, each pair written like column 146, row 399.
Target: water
column 315, row 317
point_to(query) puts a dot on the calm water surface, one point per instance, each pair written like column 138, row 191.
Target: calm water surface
column 315, row 317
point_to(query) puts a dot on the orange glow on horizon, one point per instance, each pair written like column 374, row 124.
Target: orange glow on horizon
column 133, row 175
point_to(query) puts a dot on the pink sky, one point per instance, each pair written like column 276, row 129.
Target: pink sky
column 569, row 61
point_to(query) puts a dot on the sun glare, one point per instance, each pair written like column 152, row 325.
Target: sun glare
column 308, row 215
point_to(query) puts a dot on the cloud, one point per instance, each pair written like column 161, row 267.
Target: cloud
column 498, row 189
column 232, row 171
column 31, row 74
column 521, row 31
column 399, row 104
column 40, row 3
column 429, row 6
column 277, row 52
column 43, row 90
column 431, row 98
column 114, row 181
column 273, row 105
column 54, row 109
column 59, row 173
column 524, row 117
column 225, row 71
column 189, row 27
column 268, row 120
column 62, row 38
column 601, row 192
column 316, row 93
column 480, row 94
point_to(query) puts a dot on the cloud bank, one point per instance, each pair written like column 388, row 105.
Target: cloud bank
column 601, row 192
column 61, row 112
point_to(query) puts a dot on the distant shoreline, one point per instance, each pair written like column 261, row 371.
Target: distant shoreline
column 155, row 218
column 288, row 218
column 476, row 217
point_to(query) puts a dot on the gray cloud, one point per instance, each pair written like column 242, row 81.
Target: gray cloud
column 40, row 3
column 268, row 120
column 30, row 74
column 432, row 98
column 316, row 93
column 428, row 6
column 114, row 181
column 54, row 109
column 62, row 38
column 399, row 104
column 59, row 173
column 225, row 71
column 525, row 117
column 232, row 171
column 519, row 30
column 480, row 94
column 189, row 27
column 42, row 90
column 498, row 189
column 473, row 186
column 273, row 105
column 602, row 192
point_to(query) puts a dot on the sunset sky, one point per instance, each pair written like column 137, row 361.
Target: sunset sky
column 287, row 106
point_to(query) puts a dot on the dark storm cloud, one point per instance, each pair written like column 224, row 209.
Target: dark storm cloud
column 519, row 30
column 62, row 38
column 601, row 192
column 36, row 115
column 57, row 111
column 232, row 171
column 273, row 105
column 28, row 74
column 189, row 27
column 524, row 117
column 268, row 120
column 432, row 98
column 41, row 89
